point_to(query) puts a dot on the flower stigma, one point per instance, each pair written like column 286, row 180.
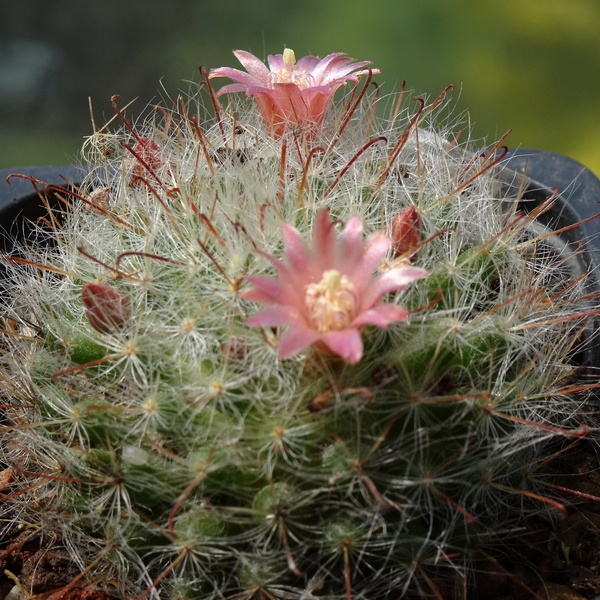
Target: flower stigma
column 289, row 58
column 291, row 73
column 330, row 302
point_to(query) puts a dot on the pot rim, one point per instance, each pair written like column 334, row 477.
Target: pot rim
column 542, row 171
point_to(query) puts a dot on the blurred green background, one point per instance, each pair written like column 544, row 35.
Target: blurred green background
column 529, row 65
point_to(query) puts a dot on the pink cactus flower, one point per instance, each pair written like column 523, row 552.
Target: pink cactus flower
column 328, row 293
column 290, row 93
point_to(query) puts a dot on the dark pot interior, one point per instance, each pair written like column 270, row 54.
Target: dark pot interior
column 577, row 202
column 19, row 201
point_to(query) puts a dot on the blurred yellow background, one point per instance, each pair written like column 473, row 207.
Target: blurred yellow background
column 532, row 66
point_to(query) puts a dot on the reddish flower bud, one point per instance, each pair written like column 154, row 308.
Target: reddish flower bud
column 235, row 348
column 106, row 307
column 405, row 231
column 148, row 156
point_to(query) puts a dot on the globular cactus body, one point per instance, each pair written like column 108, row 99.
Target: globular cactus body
column 178, row 455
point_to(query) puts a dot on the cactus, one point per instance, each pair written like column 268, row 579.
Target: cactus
column 167, row 432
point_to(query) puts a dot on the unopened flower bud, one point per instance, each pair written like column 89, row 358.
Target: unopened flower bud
column 148, row 156
column 235, row 348
column 405, row 231
column 106, row 308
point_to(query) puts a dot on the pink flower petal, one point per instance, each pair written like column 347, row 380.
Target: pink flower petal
column 298, row 254
column 273, row 316
column 308, row 63
column 269, row 290
column 346, row 343
column 254, row 66
column 243, row 78
column 318, row 91
column 275, row 261
column 286, row 275
column 350, row 246
column 275, row 62
column 316, row 100
column 296, row 339
column 381, row 316
column 324, row 241
column 272, row 115
column 257, row 295
column 281, row 106
column 396, row 279
column 373, row 251
column 337, row 68
column 289, row 98
column 346, row 73
column 232, row 88
column 320, row 69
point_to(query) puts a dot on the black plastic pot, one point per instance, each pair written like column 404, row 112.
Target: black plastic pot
column 578, row 196
column 21, row 204
column 537, row 175
column 578, row 199
column 533, row 174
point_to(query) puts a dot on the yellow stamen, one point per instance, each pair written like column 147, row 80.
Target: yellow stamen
column 290, row 72
column 330, row 302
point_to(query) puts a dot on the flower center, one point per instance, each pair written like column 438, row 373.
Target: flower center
column 330, row 302
column 291, row 73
